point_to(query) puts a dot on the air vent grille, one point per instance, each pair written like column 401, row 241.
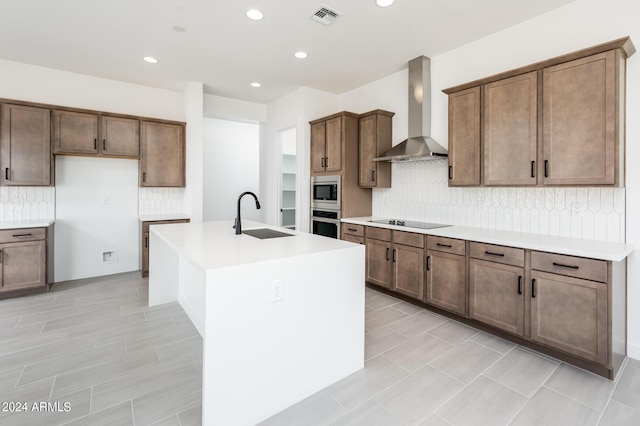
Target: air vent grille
column 325, row 15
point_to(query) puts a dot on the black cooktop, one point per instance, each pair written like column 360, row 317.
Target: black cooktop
column 410, row 223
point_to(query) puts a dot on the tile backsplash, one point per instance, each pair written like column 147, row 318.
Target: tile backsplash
column 160, row 201
column 25, row 203
column 420, row 192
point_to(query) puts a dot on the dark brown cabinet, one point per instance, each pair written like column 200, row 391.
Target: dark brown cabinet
column 330, row 137
column 81, row 133
column 23, row 261
column 510, row 131
column 144, row 241
column 464, row 137
column 25, row 145
column 378, row 257
column 162, row 155
column 446, row 274
column 375, row 139
column 497, row 286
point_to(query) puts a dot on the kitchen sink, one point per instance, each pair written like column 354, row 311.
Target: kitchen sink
column 264, row 233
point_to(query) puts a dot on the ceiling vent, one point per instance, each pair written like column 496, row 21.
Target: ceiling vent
column 325, row 15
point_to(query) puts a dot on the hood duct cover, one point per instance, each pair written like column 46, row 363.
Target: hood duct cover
column 419, row 145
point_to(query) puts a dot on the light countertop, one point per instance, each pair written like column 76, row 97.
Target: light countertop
column 212, row 245
column 562, row 245
column 159, row 217
column 13, row 224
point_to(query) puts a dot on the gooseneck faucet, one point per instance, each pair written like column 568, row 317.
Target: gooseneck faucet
column 238, row 225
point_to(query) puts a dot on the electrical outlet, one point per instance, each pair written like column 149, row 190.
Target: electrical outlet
column 276, row 291
column 578, row 208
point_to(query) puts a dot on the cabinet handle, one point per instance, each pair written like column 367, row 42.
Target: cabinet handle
column 146, row 242
column 104, row 144
column 546, row 168
column 565, row 266
column 428, row 263
column 95, row 143
column 6, row 174
column 387, row 254
column 519, row 284
column 450, row 172
column 373, row 175
column 1, row 255
column 144, row 176
column 352, row 229
column 394, row 255
column 533, row 288
column 533, row 169
column 21, row 235
column 494, row 254
column 443, row 245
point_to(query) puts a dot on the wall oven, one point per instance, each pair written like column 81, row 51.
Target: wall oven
column 325, row 192
column 326, row 223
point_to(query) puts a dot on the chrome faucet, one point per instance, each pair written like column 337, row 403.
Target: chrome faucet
column 238, row 225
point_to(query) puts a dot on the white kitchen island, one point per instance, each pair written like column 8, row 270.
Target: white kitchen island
column 280, row 318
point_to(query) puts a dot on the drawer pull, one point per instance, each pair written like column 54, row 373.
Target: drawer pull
column 443, row 245
column 387, row 254
column 494, row 254
column 21, row 235
column 533, row 288
column 565, row 266
column 352, row 229
column 519, row 284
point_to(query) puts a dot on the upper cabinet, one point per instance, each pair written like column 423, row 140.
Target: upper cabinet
column 464, row 137
column 331, row 138
column 162, row 155
column 375, row 138
column 557, row 122
column 81, row 133
column 25, row 145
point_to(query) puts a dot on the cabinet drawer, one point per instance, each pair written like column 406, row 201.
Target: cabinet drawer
column 408, row 239
column 350, row 228
column 579, row 267
column 498, row 254
column 378, row 233
column 352, row 238
column 447, row 245
column 23, row 234
column 146, row 224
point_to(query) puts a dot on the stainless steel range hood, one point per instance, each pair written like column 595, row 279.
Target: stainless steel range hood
column 419, row 145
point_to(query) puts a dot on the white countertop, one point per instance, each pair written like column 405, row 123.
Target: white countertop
column 212, row 245
column 562, row 245
column 13, row 224
column 158, row 217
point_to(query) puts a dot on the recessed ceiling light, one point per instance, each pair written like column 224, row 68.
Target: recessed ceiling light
column 179, row 29
column 385, row 3
column 301, row 55
column 255, row 14
column 255, row 84
column 150, row 59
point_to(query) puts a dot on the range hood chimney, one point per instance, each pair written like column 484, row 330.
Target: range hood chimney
column 419, row 145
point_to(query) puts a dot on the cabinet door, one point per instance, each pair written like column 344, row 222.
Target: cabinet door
column 446, row 281
column 464, row 138
column 378, row 262
column 318, row 145
column 496, row 295
column 368, row 150
column 570, row 314
column 510, row 131
column 120, row 137
column 408, row 271
column 145, row 254
column 23, row 265
column 162, row 159
column 75, row 133
column 333, row 160
column 25, row 145
column 579, row 121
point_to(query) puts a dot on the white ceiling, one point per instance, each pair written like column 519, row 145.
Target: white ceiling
column 226, row 51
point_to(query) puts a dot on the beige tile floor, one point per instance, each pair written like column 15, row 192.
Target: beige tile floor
column 96, row 345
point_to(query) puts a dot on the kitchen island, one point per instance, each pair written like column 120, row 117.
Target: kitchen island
column 280, row 318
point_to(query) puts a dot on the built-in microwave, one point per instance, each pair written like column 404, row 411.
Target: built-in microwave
column 325, row 192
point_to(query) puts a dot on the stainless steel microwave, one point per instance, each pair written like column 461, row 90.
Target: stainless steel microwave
column 325, row 192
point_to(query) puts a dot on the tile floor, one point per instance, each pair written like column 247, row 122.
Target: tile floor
column 95, row 345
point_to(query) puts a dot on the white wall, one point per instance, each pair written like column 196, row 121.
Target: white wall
column 234, row 109
column 96, row 211
column 193, row 106
column 231, row 158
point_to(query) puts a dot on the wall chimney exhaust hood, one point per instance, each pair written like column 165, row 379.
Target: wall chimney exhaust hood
column 419, row 145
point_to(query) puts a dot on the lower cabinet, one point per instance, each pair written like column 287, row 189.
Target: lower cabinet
column 353, row 233
column 378, row 257
column 446, row 274
column 144, row 241
column 23, row 261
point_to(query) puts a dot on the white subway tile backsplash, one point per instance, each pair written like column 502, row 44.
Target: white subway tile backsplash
column 160, row 201
column 420, row 192
column 24, row 203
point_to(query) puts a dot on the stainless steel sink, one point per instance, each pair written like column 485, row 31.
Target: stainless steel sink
column 264, row 233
